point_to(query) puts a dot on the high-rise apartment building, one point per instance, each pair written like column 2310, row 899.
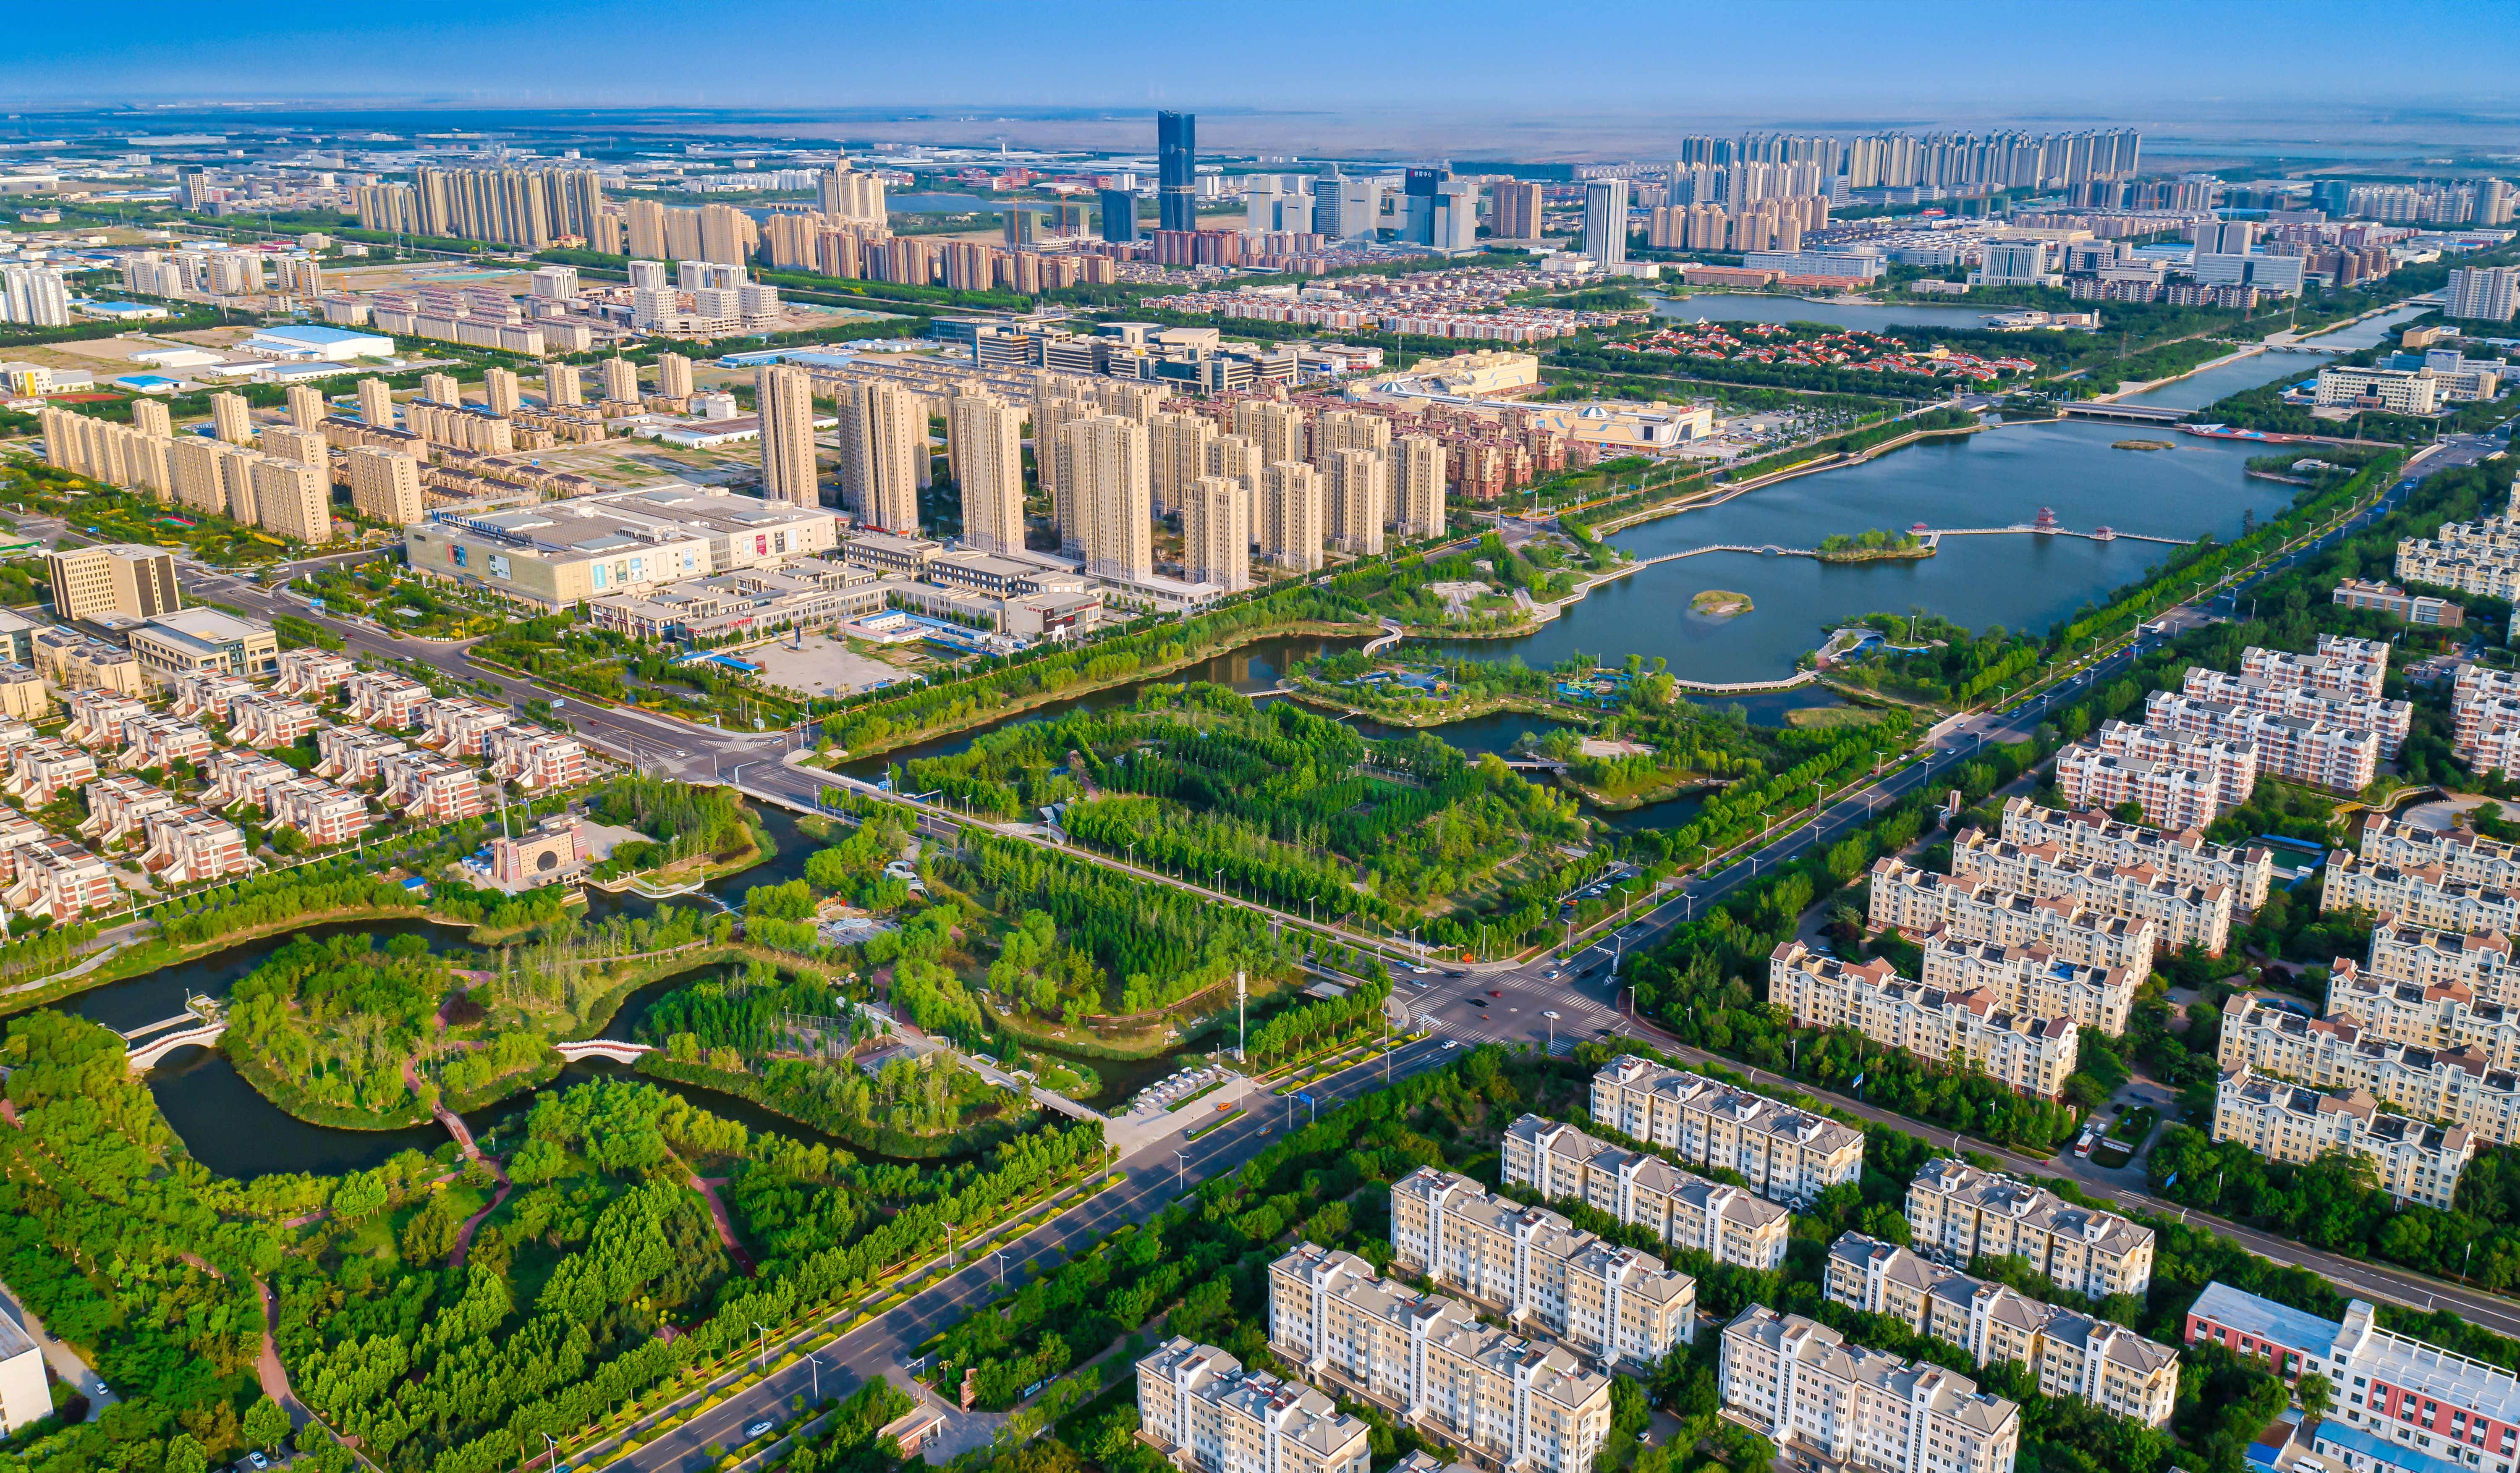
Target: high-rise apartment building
column 1417, row 486
column 34, row 296
column 1606, row 221
column 1176, row 171
column 304, row 447
column 1119, row 215
column 531, row 207
column 384, row 485
column 1513, row 211
column 376, row 403
column 1360, row 500
column 561, row 385
column 500, row 392
column 784, row 397
column 674, row 376
column 985, row 435
column 848, row 194
column 1277, row 429
column 2485, row 294
column 1104, row 468
column 440, row 389
column 621, row 379
column 1178, row 444
column 883, row 447
column 305, row 405
column 229, row 418
column 1236, row 458
column 293, row 499
column 121, row 578
column 1293, row 511
column 1216, row 533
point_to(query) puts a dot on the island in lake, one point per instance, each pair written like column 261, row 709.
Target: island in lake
column 1719, row 603
column 2141, row 444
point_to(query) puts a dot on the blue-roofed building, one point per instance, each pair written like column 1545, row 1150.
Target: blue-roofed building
column 2365, row 1452
column 123, row 311
column 147, row 383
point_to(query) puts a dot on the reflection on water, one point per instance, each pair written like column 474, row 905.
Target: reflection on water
column 1727, row 306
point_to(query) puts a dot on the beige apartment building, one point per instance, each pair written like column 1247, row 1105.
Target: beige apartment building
column 1613, row 1304
column 1811, row 1393
column 784, row 396
column 1293, row 511
column 2388, row 720
column 984, row 438
column 1784, row 1154
column 1426, row 1357
column 1360, row 500
column 2354, row 668
column 2480, row 961
column 2032, row 1055
column 1177, row 447
column 384, row 485
column 2181, row 914
column 1958, row 1213
column 883, row 454
column 1917, row 902
column 1417, row 486
column 2414, row 1162
column 293, row 499
column 2322, row 754
column 1683, row 1209
column 2460, row 1086
column 2074, row 1354
column 1207, row 1414
column 1104, row 476
column 2031, row 980
column 1216, row 533
column 2183, row 855
column 2443, row 1015
column 2425, row 897
column 120, row 578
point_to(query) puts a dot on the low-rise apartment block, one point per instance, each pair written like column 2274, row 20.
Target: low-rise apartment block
column 2169, row 796
column 2436, row 1406
column 2460, row 1086
column 2182, row 915
column 2425, row 897
column 2230, row 766
column 2074, row 1354
column 55, row 877
column 313, row 675
column 98, row 717
column 2414, row 1161
column 162, row 742
column 1810, row 1391
column 456, row 724
column 71, row 661
column 2460, row 853
column 266, row 722
column 1207, row 1414
column 1784, row 1154
column 2316, row 753
column 385, row 700
column 44, row 769
column 117, row 806
column 2422, row 610
column 1958, row 1213
column 430, row 789
column 188, row 846
column 1727, row 1223
column 2485, row 718
column 2031, row 980
column 207, row 692
column 2388, row 720
column 536, row 758
column 1917, row 902
column 2354, row 668
column 24, row 695
column 1611, row 1302
column 1427, row 1357
column 238, row 776
column 2032, row 1055
column 326, row 814
column 2442, row 1015
column 355, row 754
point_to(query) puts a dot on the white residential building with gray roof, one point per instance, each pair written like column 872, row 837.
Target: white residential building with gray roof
column 1206, row 1413
column 1959, row 1212
column 1802, row 1385
column 1727, row 1223
column 1787, row 1155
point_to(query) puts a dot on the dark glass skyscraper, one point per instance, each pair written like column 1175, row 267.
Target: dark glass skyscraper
column 1176, row 171
column 1119, row 215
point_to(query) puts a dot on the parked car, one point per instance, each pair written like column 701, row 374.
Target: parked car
column 757, row 1429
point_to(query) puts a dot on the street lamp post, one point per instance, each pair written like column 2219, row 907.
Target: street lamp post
column 1180, row 1169
column 1551, row 1016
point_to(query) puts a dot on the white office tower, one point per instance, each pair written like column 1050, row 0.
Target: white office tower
column 376, row 403
column 1178, row 444
column 34, row 296
column 1360, row 500
column 1417, row 486
column 2487, row 294
column 884, row 444
column 1103, row 467
column 985, row 436
column 786, row 398
column 1216, row 533
column 1291, row 514
column 1606, row 221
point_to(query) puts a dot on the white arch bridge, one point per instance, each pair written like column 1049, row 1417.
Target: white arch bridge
column 615, row 1049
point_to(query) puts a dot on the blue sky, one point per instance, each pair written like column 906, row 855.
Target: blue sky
column 1791, row 59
